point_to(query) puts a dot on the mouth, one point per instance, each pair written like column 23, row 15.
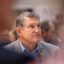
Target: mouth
column 38, row 36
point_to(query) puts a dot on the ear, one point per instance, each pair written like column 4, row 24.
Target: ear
column 18, row 30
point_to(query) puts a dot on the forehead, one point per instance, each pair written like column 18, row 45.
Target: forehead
column 31, row 20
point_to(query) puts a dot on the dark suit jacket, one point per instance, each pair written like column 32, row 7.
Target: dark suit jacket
column 9, row 57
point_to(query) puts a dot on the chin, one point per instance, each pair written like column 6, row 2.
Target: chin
column 36, row 41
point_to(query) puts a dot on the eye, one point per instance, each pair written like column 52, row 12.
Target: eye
column 38, row 25
column 32, row 26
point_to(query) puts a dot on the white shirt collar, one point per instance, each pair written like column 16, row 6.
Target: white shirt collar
column 22, row 47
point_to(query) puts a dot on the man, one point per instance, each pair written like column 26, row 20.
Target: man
column 29, row 33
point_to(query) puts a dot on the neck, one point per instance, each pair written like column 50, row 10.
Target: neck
column 30, row 46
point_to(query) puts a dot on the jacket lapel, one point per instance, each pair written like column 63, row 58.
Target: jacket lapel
column 43, row 50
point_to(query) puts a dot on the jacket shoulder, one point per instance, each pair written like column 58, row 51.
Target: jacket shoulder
column 48, row 46
column 13, row 46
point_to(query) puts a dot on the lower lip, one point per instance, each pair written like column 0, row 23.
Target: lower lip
column 36, row 36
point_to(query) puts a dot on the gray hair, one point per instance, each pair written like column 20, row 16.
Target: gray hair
column 21, row 17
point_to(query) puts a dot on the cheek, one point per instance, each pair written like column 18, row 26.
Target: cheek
column 49, row 34
column 27, row 34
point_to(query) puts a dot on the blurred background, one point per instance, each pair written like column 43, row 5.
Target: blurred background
column 47, row 9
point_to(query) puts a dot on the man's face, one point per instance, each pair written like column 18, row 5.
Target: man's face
column 51, row 33
column 44, row 34
column 31, row 31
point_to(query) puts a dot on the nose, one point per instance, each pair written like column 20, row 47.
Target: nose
column 37, row 29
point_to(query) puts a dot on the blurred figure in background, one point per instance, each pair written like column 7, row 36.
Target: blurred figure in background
column 58, row 23
column 60, row 37
column 48, row 33
column 4, row 37
column 59, row 30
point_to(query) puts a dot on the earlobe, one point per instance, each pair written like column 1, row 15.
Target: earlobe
column 18, row 30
